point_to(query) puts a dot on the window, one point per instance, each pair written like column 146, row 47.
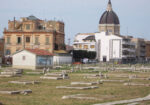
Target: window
column 8, row 40
column 18, row 40
column 47, row 40
column 23, row 58
column 7, row 52
column 27, row 26
column 80, row 46
column 85, row 46
column 28, row 39
column 92, row 46
column 36, row 40
column 18, row 49
column 109, row 30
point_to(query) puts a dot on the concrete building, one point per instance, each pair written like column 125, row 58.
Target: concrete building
column 31, row 33
column 147, row 50
column 32, row 59
column 112, row 48
column 140, row 47
column 85, row 41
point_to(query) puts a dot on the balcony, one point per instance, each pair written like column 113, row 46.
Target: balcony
column 128, row 49
column 126, row 56
column 128, row 43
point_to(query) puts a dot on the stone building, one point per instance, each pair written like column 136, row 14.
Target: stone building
column 1, row 47
column 109, row 21
column 147, row 50
column 140, row 49
column 32, row 33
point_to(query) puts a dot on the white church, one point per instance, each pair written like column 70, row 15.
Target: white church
column 108, row 43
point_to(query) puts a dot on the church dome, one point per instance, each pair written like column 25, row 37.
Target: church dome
column 109, row 16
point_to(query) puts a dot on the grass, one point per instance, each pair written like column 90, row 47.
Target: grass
column 46, row 93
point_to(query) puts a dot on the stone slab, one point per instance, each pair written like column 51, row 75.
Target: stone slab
column 8, row 73
column 36, row 73
column 24, row 82
column 17, row 71
column 25, row 91
column 126, row 101
column 16, row 92
column 16, row 75
column 133, row 103
column 84, row 83
column 135, row 84
column 9, row 92
column 80, row 96
column 53, row 74
column 80, row 88
column 112, row 80
column 54, row 78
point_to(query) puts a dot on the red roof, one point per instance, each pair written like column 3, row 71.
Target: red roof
column 39, row 52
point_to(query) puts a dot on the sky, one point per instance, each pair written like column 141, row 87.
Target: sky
column 81, row 16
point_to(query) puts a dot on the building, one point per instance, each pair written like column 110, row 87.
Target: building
column 140, row 47
column 109, row 21
column 31, row 33
column 84, row 41
column 109, row 45
column 116, row 48
column 147, row 50
column 32, row 59
column 1, row 49
column 62, row 57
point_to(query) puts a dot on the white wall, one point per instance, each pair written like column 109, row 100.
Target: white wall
column 29, row 61
column 109, row 46
column 58, row 60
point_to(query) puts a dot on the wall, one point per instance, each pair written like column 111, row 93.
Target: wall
column 13, row 46
column 108, row 46
column 44, row 61
column 24, row 59
column 58, row 60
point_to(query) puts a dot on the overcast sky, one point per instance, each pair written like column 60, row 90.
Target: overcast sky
column 81, row 16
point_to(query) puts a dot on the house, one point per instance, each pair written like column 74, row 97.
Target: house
column 32, row 59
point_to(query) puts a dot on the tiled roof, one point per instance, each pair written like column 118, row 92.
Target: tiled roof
column 39, row 52
column 60, row 51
